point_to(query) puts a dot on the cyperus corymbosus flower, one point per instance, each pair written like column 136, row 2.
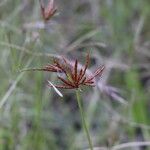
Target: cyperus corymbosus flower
column 75, row 75
column 49, row 11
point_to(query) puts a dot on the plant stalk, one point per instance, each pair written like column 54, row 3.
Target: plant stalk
column 83, row 119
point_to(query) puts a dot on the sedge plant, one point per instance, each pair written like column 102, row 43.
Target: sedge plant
column 75, row 76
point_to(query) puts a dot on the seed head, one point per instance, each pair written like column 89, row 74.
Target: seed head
column 74, row 76
column 49, row 10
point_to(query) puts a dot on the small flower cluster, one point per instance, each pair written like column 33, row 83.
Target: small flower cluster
column 49, row 11
column 74, row 76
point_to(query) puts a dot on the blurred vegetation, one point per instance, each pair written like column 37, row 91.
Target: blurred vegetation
column 33, row 116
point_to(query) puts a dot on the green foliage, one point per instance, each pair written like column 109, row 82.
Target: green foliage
column 32, row 115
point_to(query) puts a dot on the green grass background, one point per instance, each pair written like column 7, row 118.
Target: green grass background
column 33, row 116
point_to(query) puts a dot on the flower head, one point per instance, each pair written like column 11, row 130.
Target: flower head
column 75, row 76
column 49, row 11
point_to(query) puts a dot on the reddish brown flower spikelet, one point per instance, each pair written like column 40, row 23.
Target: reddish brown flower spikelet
column 49, row 11
column 76, row 77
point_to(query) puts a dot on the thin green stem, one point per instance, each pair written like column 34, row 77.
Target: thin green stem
column 83, row 119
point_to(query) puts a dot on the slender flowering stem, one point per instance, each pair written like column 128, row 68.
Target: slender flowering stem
column 83, row 119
